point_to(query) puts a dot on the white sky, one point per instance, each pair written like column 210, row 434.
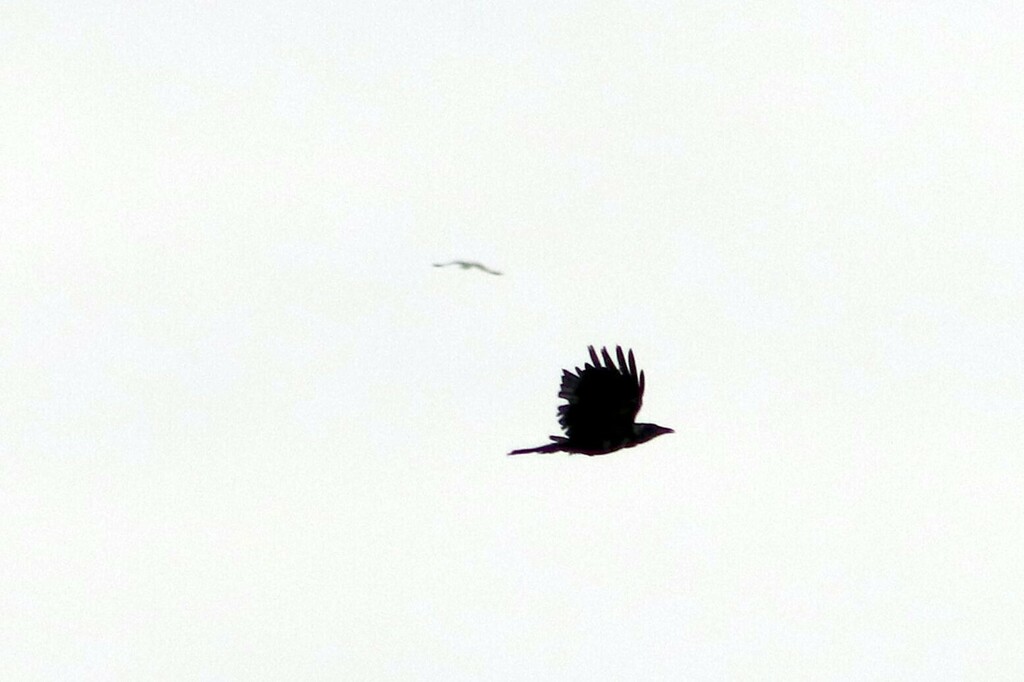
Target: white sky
column 248, row 432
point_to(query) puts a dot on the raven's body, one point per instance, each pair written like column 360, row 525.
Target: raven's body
column 601, row 404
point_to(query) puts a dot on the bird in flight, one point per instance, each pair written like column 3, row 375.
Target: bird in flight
column 466, row 265
column 600, row 409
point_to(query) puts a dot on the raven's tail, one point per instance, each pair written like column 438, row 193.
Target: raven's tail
column 550, row 447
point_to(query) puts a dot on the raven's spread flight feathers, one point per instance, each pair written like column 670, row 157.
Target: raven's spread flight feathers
column 601, row 405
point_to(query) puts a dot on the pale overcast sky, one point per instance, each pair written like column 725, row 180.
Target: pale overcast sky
column 247, row 432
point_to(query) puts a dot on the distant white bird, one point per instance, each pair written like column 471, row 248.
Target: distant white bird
column 466, row 265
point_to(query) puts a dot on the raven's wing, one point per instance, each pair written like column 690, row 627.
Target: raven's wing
column 601, row 400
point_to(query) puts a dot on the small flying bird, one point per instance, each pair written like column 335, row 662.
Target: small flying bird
column 601, row 406
column 466, row 265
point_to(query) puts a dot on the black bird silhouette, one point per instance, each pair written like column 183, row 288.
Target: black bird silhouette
column 601, row 405
column 466, row 265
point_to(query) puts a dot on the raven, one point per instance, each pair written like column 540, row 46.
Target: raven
column 601, row 404
column 466, row 265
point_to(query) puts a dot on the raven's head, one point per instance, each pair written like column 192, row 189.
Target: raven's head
column 645, row 432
